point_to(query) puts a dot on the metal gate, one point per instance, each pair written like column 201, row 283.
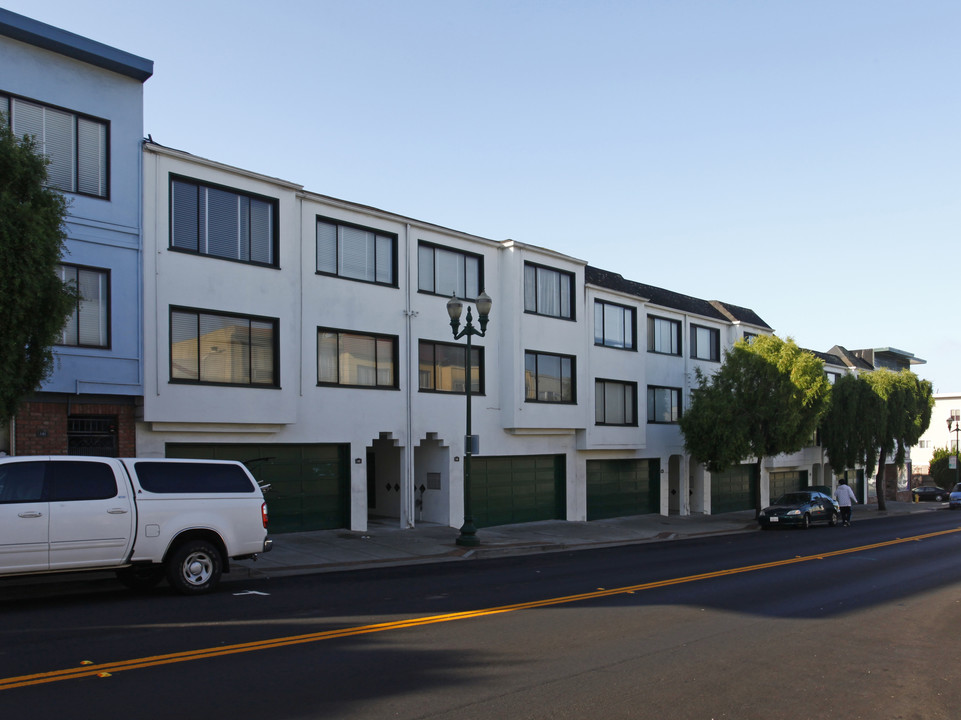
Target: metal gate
column 734, row 489
column 620, row 488
column 517, row 489
column 92, row 435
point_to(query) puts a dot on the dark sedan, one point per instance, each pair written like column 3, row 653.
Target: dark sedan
column 801, row 508
column 930, row 492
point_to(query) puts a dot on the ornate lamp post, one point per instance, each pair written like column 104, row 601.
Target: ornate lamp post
column 957, row 448
column 468, row 533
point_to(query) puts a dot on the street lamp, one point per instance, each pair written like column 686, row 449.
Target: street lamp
column 468, row 533
column 957, row 462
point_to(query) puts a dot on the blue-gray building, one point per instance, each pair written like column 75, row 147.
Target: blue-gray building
column 83, row 102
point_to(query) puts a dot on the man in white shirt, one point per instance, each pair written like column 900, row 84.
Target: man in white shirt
column 846, row 498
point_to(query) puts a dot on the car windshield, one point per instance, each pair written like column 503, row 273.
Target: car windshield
column 795, row 498
column 957, row 488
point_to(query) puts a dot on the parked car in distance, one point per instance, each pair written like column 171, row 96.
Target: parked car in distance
column 929, row 492
column 954, row 499
column 801, row 508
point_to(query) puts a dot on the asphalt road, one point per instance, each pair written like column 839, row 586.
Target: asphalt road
column 827, row 623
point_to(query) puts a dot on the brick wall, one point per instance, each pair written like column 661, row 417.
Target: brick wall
column 41, row 426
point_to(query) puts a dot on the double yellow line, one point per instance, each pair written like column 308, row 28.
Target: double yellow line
column 107, row 669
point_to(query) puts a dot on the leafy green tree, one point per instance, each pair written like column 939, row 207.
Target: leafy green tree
column 909, row 401
column 943, row 475
column 764, row 400
column 34, row 302
column 853, row 425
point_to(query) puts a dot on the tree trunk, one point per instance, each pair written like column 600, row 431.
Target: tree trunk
column 879, row 484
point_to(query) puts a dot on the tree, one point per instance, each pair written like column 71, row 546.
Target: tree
column 909, row 401
column 34, row 302
column 764, row 400
column 853, row 425
column 944, row 476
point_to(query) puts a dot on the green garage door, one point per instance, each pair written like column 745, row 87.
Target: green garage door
column 788, row 481
column 517, row 489
column 309, row 484
column 619, row 488
column 734, row 489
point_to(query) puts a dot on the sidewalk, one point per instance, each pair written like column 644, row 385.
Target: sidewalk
column 385, row 544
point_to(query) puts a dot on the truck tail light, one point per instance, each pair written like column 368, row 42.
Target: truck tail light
column 263, row 512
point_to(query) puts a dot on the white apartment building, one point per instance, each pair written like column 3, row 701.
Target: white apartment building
column 309, row 337
column 940, row 433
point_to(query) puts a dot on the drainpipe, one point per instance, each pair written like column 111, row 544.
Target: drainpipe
column 407, row 507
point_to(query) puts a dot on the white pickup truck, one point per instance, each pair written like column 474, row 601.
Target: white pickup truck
column 144, row 517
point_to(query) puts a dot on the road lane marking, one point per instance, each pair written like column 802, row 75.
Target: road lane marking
column 104, row 670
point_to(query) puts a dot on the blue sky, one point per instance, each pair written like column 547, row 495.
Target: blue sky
column 798, row 157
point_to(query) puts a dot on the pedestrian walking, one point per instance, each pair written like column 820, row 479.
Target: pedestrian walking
column 846, row 498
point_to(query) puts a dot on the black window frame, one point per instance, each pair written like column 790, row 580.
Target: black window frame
column 652, row 321
column 338, row 224
column 630, row 321
column 536, row 309
column 652, row 415
column 394, row 359
column 275, row 349
column 424, row 245
column 77, row 116
column 714, row 352
column 630, row 389
column 272, row 202
column 434, row 344
column 108, row 344
column 537, row 356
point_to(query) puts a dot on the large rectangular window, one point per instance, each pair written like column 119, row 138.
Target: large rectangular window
column 442, row 271
column 705, row 343
column 615, row 403
column 663, row 335
column 442, row 368
column 355, row 359
column 223, row 223
column 89, row 324
column 76, row 145
column 614, row 325
column 548, row 291
column 356, row 253
column 548, row 377
column 213, row 347
column 663, row 404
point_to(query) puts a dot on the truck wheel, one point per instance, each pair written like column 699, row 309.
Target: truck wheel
column 141, row 578
column 194, row 567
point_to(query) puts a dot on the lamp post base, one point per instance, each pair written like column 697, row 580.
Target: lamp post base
column 468, row 536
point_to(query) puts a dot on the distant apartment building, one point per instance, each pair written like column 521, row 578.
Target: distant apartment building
column 83, row 103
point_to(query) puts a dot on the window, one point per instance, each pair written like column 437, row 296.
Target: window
column 22, row 482
column 548, row 377
column 355, row 359
column 192, row 477
column 663, row 336
column 89, row 324
column 76, row 145
column 548, row 292
column 615, row 402
column 705, row 343
column 356, row 253
column 614, row 325
column 663, row 404
column 442, row 271
column 72, row 480
column 223, row 223
column 211, row 347
column 442, row 368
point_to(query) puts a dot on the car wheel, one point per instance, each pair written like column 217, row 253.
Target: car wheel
column 807, row 521
column 938, row 498
column 833, row 519
column 194, row 567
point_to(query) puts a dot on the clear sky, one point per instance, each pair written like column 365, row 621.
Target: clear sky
column 798, row 157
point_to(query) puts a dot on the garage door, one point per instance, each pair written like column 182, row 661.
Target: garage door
column 786, row 481
column 619, row 488
column 734, row 489
column 517, row 489
column 309, row 484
